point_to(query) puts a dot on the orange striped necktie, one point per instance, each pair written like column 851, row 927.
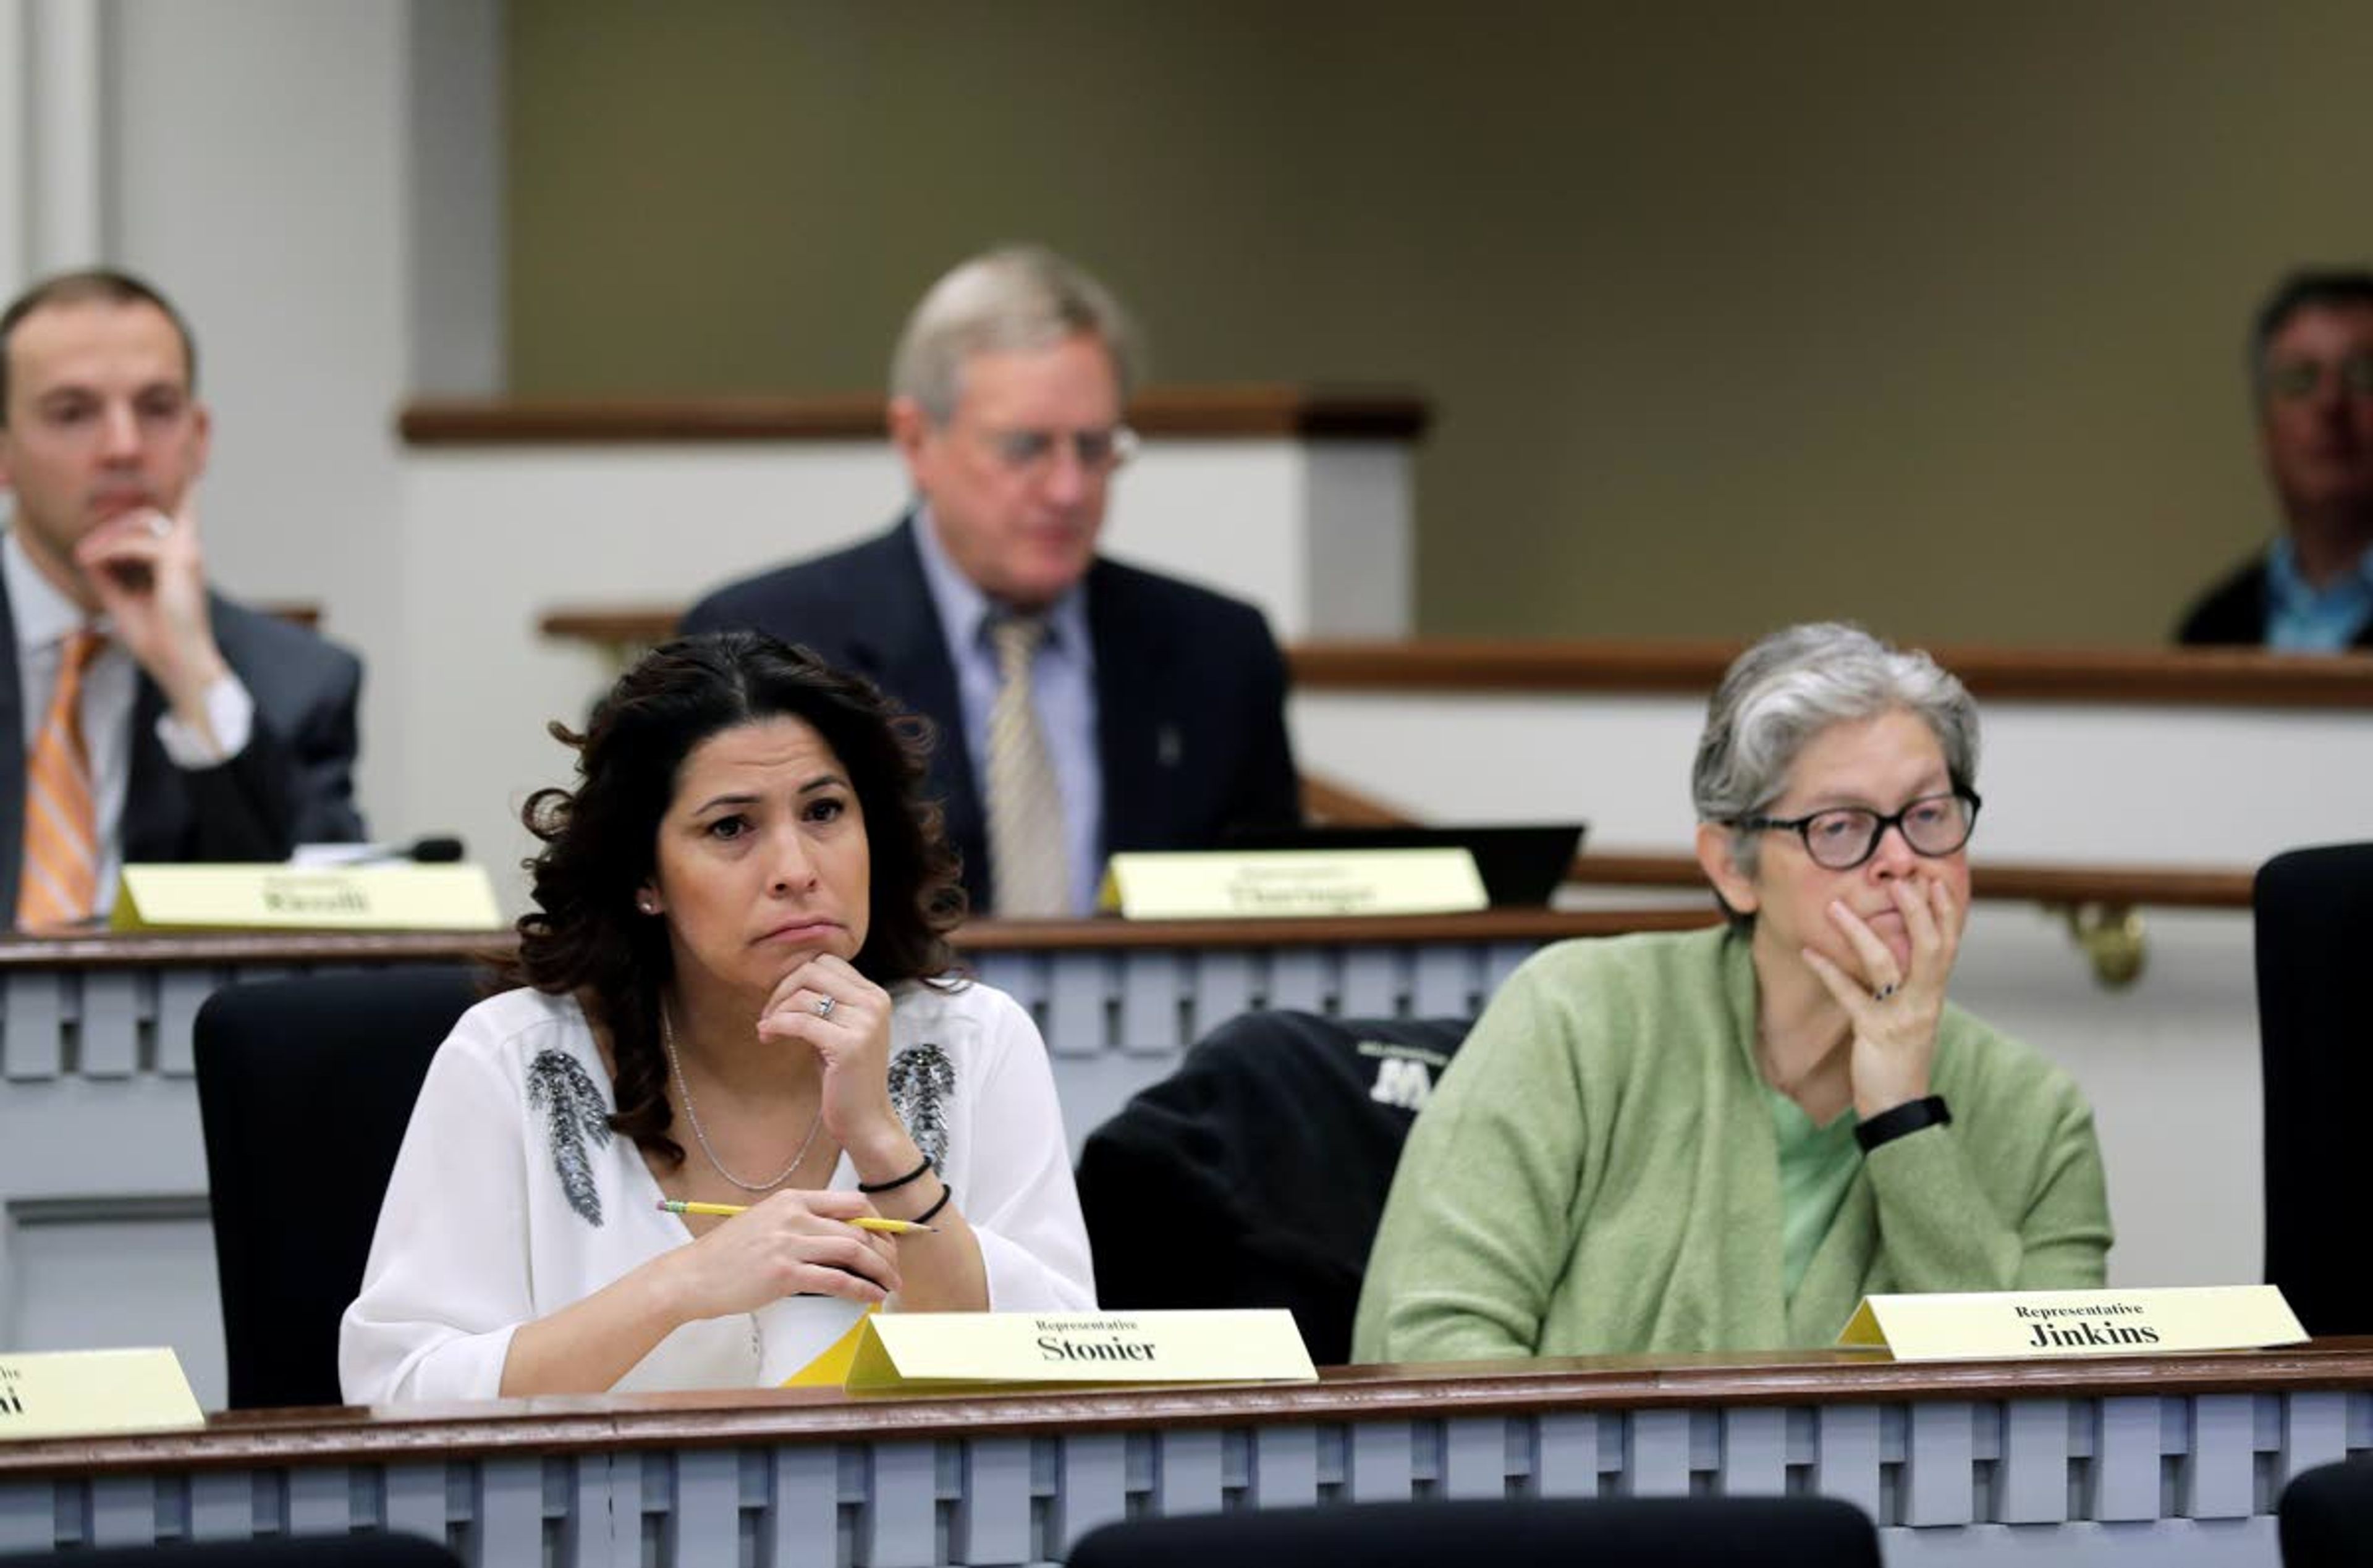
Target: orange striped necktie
column 60, row 884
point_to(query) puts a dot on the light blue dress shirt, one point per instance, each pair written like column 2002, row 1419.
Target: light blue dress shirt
column 1062, row 688
column 2301, row 619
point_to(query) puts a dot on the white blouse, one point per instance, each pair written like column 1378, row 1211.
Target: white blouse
column 512, row 1199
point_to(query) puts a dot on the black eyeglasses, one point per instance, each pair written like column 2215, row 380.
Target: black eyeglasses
column 1844, row 836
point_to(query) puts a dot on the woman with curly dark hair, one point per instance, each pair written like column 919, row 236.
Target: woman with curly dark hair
column 739, row 929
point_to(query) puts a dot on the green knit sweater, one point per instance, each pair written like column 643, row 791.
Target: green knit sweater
column 1597, row 1174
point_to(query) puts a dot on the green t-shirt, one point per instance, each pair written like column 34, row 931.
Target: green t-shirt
column 1817, row 1168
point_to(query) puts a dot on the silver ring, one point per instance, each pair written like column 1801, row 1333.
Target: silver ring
column 157, row 527
column 825, row 1004
column 1883, row 992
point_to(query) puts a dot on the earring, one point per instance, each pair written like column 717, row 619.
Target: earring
column 647, row 904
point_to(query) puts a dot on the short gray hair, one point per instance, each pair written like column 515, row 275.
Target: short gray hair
column 1015, row 297
column 1792, row 685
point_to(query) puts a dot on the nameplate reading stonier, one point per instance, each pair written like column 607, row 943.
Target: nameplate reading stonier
column 80, row 1393
column 972, row 1350
column 301, row 897
column 2050, row 1324
column 1268, row 884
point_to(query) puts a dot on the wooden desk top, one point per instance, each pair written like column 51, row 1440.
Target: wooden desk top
column 186, row 949
column 1341, row 1394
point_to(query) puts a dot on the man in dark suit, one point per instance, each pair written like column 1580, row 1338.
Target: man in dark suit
column 143, row 717
column 1084, row 707
column 2311, row 591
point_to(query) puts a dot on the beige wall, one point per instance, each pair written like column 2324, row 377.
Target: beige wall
column 1732, row 314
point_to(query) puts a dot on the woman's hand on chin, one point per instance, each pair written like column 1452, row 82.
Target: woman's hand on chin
column 1894, row 1011
column 826, row 1006
column 791, row 1243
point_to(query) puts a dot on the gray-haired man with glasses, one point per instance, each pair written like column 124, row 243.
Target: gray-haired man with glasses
column 1084, row 707
column 2312, row 366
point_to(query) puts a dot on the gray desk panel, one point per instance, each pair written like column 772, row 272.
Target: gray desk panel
column 998, row 1501
column 1754, row 1460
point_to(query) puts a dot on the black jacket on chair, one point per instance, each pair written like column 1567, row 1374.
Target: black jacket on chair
column 2315, row 1041
column 1255, row 1175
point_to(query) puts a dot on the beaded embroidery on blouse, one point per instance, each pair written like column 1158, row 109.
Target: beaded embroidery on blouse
column 922, row 1080
column 573, row 1112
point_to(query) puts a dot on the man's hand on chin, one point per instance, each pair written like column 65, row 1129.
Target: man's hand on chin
column 148, row 574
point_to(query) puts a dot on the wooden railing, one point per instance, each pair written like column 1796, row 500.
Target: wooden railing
column 2174, row 676
column 2190, row 677
column 1305, row 412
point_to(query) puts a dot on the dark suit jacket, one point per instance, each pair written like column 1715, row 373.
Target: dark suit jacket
column 2235, row 612
column 1190, row 690
column 292, row 783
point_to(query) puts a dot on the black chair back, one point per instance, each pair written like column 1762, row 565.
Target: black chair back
column 1616, row 1532
column 2315, row 1042
column 1255, row 1173
column 305, row 1088
column 2325, row 1517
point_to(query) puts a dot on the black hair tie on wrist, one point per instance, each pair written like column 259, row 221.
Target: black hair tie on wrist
column 1907, row 1117
column 870, row 1187
column 946, row 1193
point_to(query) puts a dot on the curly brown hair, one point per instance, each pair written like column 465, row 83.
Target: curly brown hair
column 585, row 937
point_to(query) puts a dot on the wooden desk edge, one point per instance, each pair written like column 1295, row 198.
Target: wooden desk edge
column 220, row 948
column 1343, row 1394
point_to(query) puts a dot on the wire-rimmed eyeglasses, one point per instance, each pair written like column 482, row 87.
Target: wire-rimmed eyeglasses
column 1844, row 836
column 1099, row 451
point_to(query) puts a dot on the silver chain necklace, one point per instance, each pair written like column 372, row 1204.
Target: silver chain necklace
column 684, row 1086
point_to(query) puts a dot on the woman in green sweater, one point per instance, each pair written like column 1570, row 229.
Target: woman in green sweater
column 1722, row 1139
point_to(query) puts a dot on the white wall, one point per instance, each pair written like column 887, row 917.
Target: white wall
column 259, row 173
column 494, row 538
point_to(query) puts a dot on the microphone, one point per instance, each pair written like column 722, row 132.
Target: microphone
column 431, row 849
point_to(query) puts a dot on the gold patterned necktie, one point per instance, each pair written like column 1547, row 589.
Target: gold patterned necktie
column 1029, row 869
column 59, row 886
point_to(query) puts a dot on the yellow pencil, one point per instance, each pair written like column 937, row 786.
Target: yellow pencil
column 867, row 1222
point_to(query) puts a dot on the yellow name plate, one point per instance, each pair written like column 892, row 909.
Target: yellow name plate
column 79, row 1393
column 353, row 898
column 1261, row 884
column 2049, row 1324
column 939, row 1351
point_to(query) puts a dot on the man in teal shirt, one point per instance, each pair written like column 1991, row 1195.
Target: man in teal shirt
column 2311, row 362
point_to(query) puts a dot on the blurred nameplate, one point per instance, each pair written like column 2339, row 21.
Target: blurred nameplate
column 2045, row 1325
column 939, row 1352
column 78, row 1393
column 1266, row 884
column 290, row 898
